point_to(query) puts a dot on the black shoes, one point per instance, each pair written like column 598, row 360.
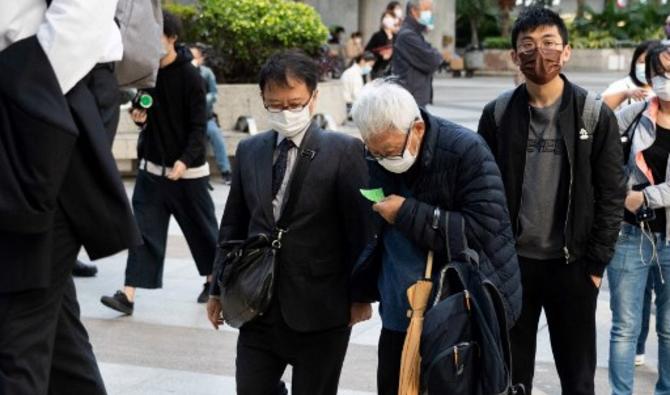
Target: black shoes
column 82, row 269
column 204, row 295
column 118, row 302
column 226, row 178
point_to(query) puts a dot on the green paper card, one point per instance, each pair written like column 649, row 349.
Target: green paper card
column 373, row 195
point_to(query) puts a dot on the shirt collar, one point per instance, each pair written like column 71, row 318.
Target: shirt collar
column 297, row 139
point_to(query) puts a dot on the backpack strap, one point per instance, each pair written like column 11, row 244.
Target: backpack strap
column 591, row 111
column 501, row 106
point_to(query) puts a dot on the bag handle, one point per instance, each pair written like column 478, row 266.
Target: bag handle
column 306, row 153
column 632, row 127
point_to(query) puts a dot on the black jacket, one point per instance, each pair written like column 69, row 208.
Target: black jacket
column 175, row 128
column 597, row 183
column 454, row 173
column 415, row 61
column 379, row 41
column 56, row 150
column 326, row 232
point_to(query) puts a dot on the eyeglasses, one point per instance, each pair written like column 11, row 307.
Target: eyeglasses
column 372, row 157
column 275, row 109
column 530, row 46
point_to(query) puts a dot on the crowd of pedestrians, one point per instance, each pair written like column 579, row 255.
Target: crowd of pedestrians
column 558, row 186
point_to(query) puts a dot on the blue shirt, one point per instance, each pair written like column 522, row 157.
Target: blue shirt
column 403, row 264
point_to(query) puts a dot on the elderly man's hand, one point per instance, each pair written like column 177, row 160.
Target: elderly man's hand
column 389, row 207
column 215, row 312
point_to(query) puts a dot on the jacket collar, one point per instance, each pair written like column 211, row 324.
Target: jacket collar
column 414, row 25
column 429, row 139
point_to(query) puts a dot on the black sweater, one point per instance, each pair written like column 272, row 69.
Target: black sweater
column 175, row 128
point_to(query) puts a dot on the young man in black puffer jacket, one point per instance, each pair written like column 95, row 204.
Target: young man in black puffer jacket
column 560, row 156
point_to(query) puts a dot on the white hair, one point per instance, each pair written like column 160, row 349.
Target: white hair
column 384, row 105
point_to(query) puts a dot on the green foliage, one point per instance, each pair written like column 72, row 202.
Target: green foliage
column 618, row 27
column 244, row 33
column 475, row 19
column 497, row 42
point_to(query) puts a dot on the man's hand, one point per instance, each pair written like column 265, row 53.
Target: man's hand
column 215, row 312
column 178, row 171
column 597, row 281
column 138, row 116
column 360, row 312
column 389, row 207
column 634, row 201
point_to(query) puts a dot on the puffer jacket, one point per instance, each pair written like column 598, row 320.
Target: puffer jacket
column 637, row 171
column 457, row 173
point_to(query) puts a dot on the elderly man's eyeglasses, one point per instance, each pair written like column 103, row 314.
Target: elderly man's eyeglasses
column 277, row 108
column 530, row 46
column 372, row 157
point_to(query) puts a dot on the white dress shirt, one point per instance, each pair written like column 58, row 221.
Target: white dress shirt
column 74, row 34
column 352, row 81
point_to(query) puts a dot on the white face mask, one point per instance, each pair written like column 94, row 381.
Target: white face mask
column 290, row 124
column 641, row 73
column 661, row 87
column 389, row 23
column 398, row 13
column 400, row 165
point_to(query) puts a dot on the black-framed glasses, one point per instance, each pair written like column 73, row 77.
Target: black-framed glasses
column 275, row 109
column 372, row 157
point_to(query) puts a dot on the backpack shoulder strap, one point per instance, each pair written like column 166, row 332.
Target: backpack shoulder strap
column 501, row 106
column 591, row 111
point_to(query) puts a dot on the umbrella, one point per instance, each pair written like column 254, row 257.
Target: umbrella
column 410, row 364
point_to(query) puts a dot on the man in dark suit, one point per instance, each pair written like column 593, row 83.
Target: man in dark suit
column 308, row 322
column 60, row 188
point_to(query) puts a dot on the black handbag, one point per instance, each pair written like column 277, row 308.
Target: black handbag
column 248, row 278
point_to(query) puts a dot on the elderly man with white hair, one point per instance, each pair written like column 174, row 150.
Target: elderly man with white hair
column 432, row 171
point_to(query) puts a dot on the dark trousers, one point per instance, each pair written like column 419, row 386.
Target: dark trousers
column 267, row 346
column 155, row 200
column 569, row 298
column 44, row 347
column 388, row 365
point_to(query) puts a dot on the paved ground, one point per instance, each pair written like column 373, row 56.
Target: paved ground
column 168, row 347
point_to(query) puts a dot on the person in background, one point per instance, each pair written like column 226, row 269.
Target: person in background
column 213, row 132
column 173, row 174
column 353, row 77
column 621, row 94
column 354, row 47
column 634, row 87
column 415, row 60
column 381, row 44
column 666, row 29
column 643, row 248
column 434, row 174
column 549, row 160
column 396, row 8
column 337, row 49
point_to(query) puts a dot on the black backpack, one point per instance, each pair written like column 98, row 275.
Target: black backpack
column 464, row 344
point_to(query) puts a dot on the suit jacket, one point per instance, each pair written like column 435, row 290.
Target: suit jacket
column 54, row 151
column 327, row 230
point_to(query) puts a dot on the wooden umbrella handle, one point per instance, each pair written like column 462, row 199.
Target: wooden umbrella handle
column 429, row 265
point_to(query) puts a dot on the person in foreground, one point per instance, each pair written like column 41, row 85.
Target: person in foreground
column 431, row 171
column 308, row 322
column 559, row 152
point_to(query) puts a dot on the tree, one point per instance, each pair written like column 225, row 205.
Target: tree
column 474, row 11
column 506, row 7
